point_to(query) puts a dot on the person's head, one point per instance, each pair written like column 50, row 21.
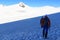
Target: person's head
column 45, row 16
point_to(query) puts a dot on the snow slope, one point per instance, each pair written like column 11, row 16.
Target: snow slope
column 17, row 12
column 29, row 29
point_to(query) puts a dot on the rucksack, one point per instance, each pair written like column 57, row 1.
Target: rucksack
column 42, row 22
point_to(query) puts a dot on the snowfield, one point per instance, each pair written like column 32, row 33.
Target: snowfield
column 29, row 29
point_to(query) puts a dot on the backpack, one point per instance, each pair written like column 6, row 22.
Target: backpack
column 42, row 22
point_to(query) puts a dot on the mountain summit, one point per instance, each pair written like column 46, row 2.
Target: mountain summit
column 23, row 5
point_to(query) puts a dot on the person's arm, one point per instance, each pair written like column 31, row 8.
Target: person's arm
column 49, row 23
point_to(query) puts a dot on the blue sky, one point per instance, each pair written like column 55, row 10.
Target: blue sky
column 35, row 3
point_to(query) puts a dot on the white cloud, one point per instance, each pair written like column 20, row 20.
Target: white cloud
column 15, row 12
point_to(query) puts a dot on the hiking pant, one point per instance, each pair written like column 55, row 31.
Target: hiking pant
column 45, row 32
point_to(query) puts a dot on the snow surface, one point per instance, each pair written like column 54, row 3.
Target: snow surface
column 18, row 23
column 30, row 29
column 17, row 12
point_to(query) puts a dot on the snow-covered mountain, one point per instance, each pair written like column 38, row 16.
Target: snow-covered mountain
column 22, row 11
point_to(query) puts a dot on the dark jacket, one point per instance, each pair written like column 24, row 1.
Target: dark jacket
column 45, row 22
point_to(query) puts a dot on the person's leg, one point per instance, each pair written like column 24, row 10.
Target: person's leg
column 46, row 33
column 43, row 32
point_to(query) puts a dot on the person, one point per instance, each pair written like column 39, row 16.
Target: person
column 45, row 24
